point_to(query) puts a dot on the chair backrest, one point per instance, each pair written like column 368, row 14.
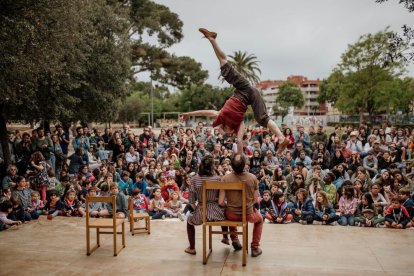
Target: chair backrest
column 104, row 199
column 216, row 185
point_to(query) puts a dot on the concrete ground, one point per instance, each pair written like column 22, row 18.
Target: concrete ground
column 58, row 247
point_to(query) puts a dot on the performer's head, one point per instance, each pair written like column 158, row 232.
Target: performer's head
column 229, row 131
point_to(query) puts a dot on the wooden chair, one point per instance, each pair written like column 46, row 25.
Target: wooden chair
column 105, row 223
column 137, row 217
column 240, row 186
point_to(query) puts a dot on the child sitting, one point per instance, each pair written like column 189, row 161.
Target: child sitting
column 397, row 216
column 156, row 207
column 303, row 210
column 170, row 187
column 324, row 211
column 6, row 207
column 125, row 182
column 174, row 206
column 280, row 211
column 72, row 207
column 5, row 195
column 347, row 207
column 61, row 187
column 53, row 206
column 51, row 185
column 408, row 203
column 18, row 212
column 140, row 182
column 121, row 202
column 139, row 201
column 86, row 185
column 96, row 209
column 265, row 205
column 366, row 214
column 36, row 205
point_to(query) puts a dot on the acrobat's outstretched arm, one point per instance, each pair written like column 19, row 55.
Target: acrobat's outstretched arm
column 201, row 113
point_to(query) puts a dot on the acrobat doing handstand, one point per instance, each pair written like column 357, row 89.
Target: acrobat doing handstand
column 230, row 117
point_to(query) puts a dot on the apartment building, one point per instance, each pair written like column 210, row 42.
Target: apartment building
column 310, row 90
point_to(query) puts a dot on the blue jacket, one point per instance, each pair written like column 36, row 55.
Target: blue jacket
column 329, row 210
column 307, row 208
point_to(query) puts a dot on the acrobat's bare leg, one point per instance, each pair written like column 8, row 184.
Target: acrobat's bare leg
column 211, row 36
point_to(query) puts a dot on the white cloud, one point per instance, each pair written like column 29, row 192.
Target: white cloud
column 288, row 37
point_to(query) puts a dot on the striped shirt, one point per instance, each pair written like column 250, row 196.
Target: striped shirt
column 214, row 211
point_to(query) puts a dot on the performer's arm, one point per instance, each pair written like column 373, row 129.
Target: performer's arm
column 240, row 135
column 202, row 113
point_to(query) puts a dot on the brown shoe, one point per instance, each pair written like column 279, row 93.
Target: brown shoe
column 236, row 245
column 225, row 241
column 50, row 217
column 282, row 146
column 190, row 251
column 256, row 252
column 207, row 33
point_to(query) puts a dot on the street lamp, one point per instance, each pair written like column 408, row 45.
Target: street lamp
column 152, row 105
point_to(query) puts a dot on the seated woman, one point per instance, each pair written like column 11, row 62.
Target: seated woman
column 214, row 211
column 324, row 212
column 302, row 209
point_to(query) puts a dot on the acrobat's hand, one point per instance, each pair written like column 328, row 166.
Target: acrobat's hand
column 184, row 116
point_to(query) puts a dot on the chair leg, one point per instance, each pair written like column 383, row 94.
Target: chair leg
column 210, row 239
column 98, row 237
column 244, row 245
column 114, row 234
column 204, row 245
column 247, row 237
column 148, row 222
column 88, row 245
column 131, row 225
column 123, row 235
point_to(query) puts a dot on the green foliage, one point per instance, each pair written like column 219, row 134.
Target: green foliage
column 199, row 97
column 289, row 95
column 247, row 65
column 61, row 59
column 365, row 80
column 155, row 20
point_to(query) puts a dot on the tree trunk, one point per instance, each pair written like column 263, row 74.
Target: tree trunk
column 3, row 138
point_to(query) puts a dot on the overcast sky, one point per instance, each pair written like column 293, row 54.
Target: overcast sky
column 295, row 37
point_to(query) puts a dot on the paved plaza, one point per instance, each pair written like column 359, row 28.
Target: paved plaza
column 58, row 248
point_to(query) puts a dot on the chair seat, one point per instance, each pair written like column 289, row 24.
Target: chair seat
column 105, row 223
column 225, row 223
column 140, row 215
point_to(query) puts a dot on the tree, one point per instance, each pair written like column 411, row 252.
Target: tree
column 157, row 21
column 362, row 81
column 62, row 60
column 198, row 97
column 289, row 95
column 247, row 65
column 406, row 39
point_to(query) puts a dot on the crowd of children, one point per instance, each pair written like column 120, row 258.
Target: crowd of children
column 358, row 177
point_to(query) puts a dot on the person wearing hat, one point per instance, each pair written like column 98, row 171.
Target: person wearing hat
column 369, row 145
column 354, row 144
column 329, row 187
